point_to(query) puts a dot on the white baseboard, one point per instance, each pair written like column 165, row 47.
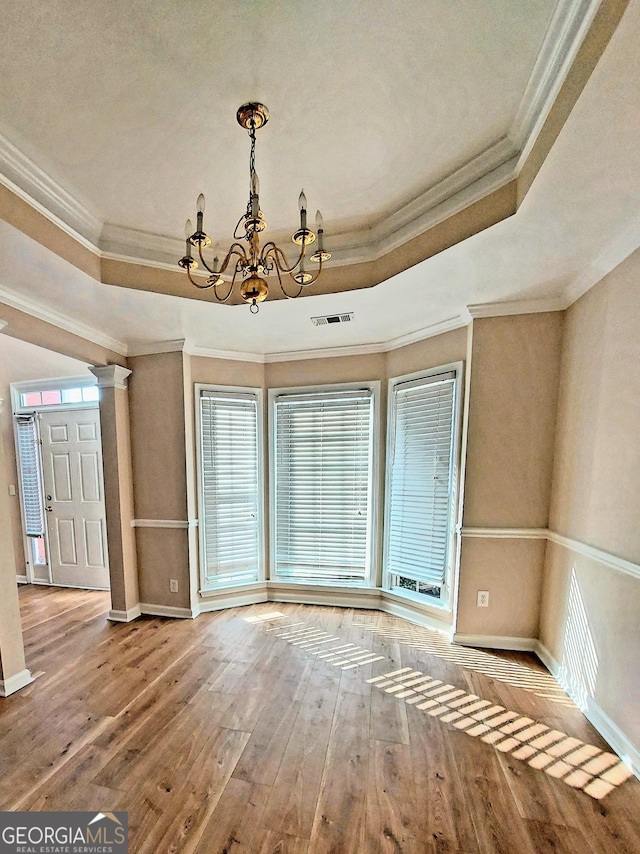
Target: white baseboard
column 233, row 600
column 497, row 642
column 310, row 594
column 124, row 616
column 22, row 579
column 413, row 613
column 233, row 597
column 168, row 611
column 14, row 683
column 597, row 717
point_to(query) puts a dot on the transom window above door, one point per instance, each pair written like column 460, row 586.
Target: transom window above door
column 60, row 393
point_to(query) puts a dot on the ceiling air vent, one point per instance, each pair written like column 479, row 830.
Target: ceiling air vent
column 332, row 318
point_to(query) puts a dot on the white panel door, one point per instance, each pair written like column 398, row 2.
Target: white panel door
column 74, row 497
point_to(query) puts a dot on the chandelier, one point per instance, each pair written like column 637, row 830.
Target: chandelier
column 251, row 262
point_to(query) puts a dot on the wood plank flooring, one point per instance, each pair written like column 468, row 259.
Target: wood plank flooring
column 291, row 728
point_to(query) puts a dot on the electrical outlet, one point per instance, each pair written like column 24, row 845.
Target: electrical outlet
column 173, row 585
column 483, row 599
column 12, row 489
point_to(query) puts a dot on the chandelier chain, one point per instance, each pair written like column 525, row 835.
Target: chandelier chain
column 252, row 156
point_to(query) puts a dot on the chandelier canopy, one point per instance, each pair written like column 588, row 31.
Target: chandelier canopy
column 252, row 262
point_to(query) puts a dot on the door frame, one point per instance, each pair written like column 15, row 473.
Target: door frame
column 18, row 408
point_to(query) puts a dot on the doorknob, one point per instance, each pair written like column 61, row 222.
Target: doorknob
column 48, row 508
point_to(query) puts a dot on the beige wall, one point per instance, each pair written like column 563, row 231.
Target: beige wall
column 595, row 499
column 158, row 450
column 596, row 492
column 511, row 425
column 590, row 623
column 31, row 329
column 341, row 369
column 512, row 413
column 511, row 570
column 430, row 353
column 156, row 403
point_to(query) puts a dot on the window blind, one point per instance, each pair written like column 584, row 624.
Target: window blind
column 30, row 477
column 323, row 451
column 419, row 497
column 230, row 513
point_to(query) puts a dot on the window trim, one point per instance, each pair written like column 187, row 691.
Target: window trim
column 445, row 602
column 370, row 579
column 203, row 589
column 52, row 384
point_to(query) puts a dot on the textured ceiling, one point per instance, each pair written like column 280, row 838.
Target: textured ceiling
column 131, row 106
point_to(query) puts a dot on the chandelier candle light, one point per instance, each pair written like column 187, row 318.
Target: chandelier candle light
column 253, row 263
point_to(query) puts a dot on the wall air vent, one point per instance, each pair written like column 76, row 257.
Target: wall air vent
column 332, row 318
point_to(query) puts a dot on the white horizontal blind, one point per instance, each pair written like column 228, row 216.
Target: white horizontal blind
column 230, row 513
column 30, row 478
column 420, row 492
column 323, row 452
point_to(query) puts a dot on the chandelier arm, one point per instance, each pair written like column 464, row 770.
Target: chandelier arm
column 282, row 287
column 314, row 278
column 280, row 258
column 225, row 298
column 197, row 284
column 204, row 263
column 236, row 235
column 292, row 274
column 235, row 249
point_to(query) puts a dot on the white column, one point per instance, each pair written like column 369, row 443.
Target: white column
column 118, row 491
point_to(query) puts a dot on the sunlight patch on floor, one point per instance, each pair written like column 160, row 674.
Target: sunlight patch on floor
column 327, row 646
column 264, row 618
column 579, row 765
column 513, row 673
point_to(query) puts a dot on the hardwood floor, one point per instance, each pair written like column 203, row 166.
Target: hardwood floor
column 291, row 728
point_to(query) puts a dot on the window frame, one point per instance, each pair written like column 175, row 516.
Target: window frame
column 445, row 602
column 203, row 589
column 372, row 560
column 52, row 384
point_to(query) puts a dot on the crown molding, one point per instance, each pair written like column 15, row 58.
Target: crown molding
column 614, row 253
column 178, row 345
column 118, row 241
column 438, row 328
column 50, row 315
column 567, row 28
column 503, row 309
column 479, row 177
column 25, row 178
column 226, row 355
column 449, row 324
column 431, row 331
